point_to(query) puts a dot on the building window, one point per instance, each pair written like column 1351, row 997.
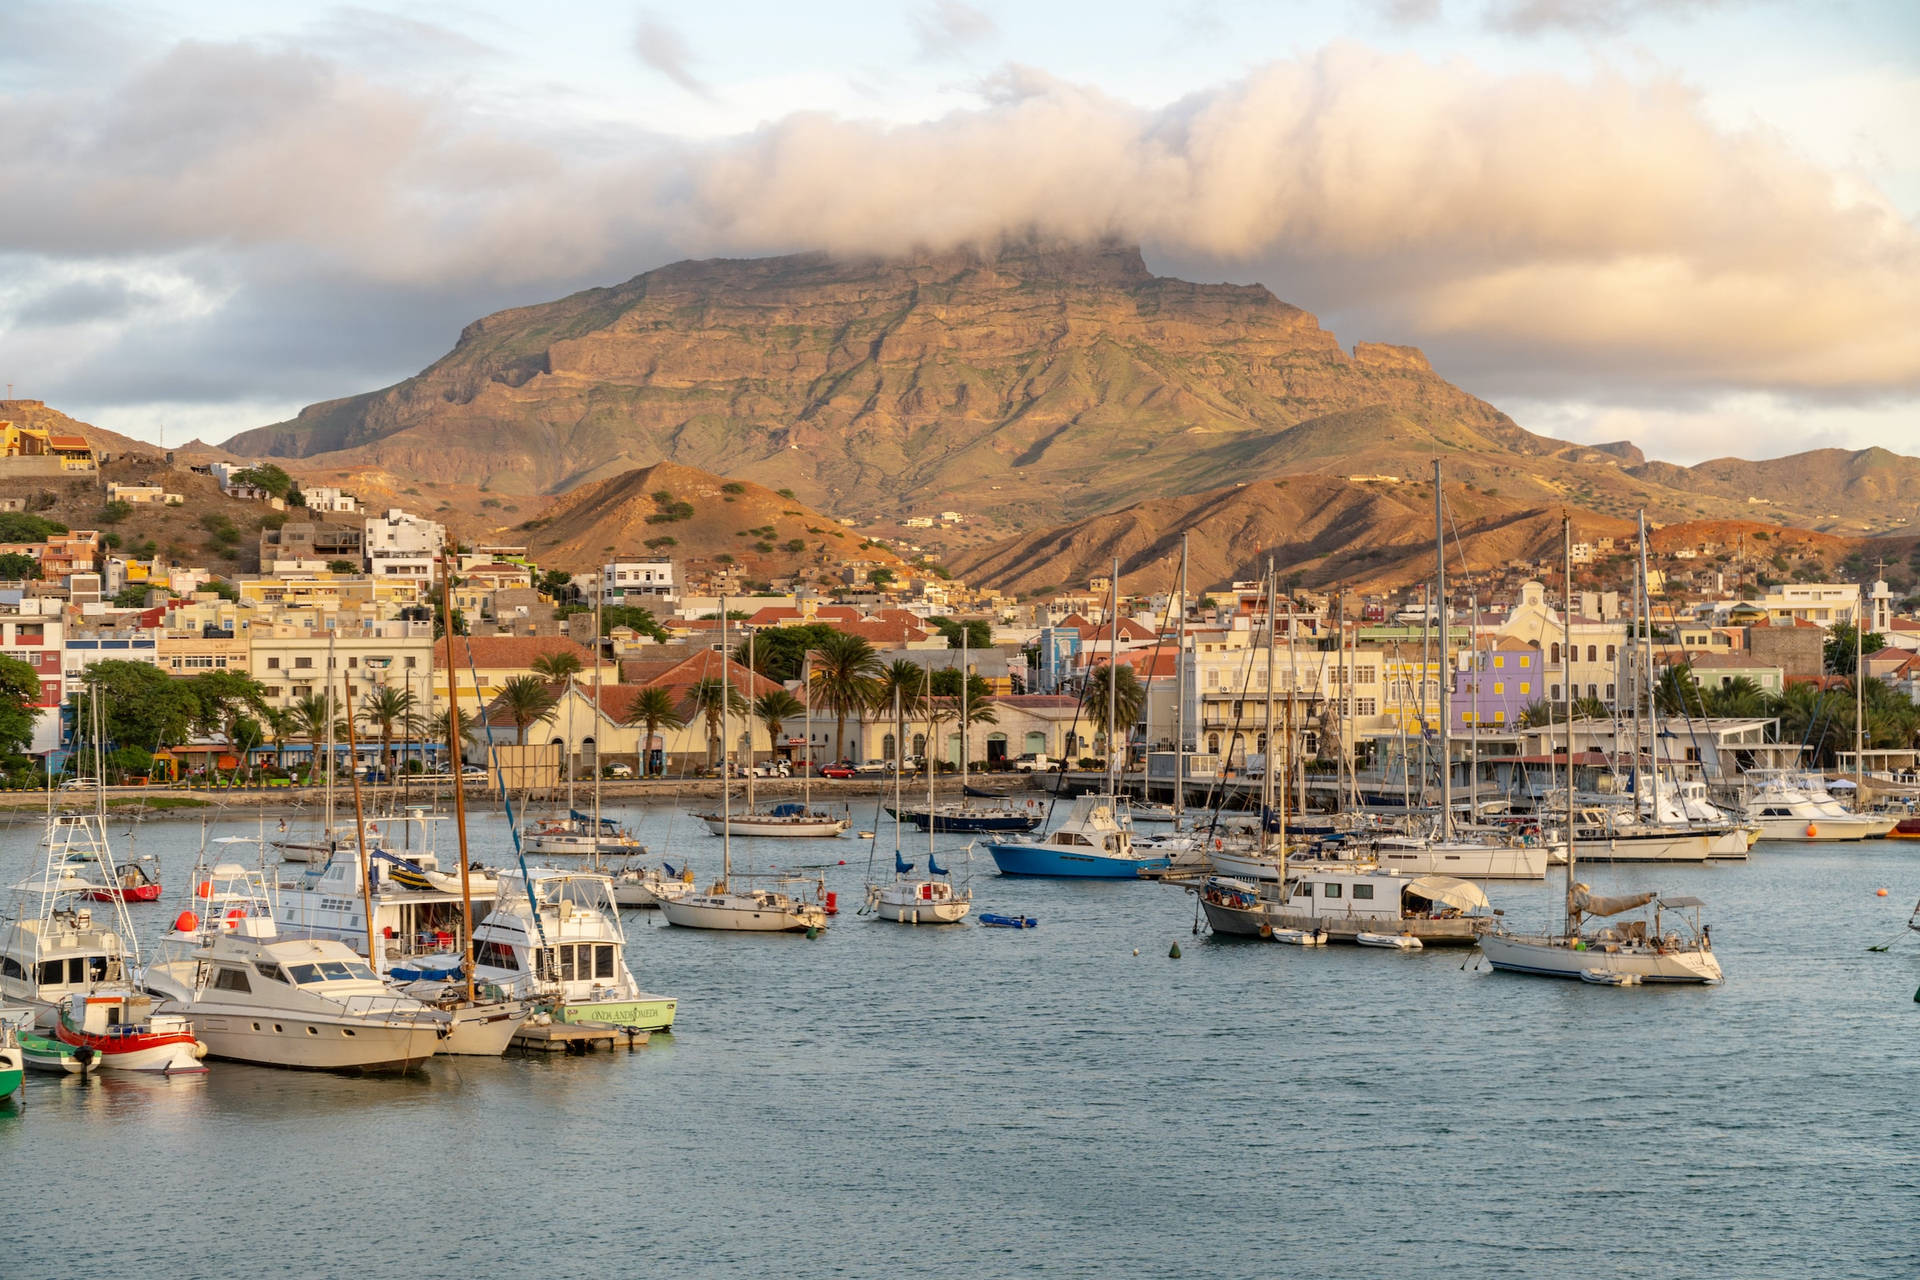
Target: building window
column 1610, row 653
column 1609, row 693
column 273, row 664
column 1499, row 662
column 1556, row 652
column 1556, row 693
column 1365, row 707
column 1593, row 653
column 302, row 663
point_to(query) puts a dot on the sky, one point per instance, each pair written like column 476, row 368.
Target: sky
column 1690, row 223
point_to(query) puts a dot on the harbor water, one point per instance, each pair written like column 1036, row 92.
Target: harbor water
column 888, row 1100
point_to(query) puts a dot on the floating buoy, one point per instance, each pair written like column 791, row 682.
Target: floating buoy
column 1136, row 951
column 1175, row 953
column 843, row 862
column 813, row 932
column 1879, row 893
column 186, row 922
column 1812, row 831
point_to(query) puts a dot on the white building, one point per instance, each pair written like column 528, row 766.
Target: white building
column 402, row 545
column 328, row 498
column 647, row 583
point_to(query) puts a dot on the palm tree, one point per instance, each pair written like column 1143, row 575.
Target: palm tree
column 773, row 709
column 945, row 704
column 907, row 681
column 1129, row 696
column 308, row 718
column 1739, row 697
column 527, row 701
column 704, row 698
column 845, row 680
column 280, row 723
column 436, row 729
column 1678, row 694
column 652, row 709
column 557, row 666
column 387, row 709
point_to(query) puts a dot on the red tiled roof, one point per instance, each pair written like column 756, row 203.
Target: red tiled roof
column 504, row 653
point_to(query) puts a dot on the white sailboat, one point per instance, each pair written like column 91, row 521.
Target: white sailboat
column 723, row 907
column 1627, row 953
column 794, row 821
column 908, row 899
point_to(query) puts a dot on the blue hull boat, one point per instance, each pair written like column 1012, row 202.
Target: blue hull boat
column 1068, row 863
column 993, row 921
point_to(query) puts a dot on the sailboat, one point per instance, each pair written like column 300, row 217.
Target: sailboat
column 723, row 906
column 581, row 835
column 907, row 899
column 1628, row 953
column 794, row 821
column 1096, row 840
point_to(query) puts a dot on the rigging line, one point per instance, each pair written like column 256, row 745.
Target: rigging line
column 500, row 775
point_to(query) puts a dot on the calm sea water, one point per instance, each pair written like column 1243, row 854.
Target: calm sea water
column 889, row 1100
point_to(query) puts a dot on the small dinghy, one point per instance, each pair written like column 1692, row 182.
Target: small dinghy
column 1608, row 978
column 1300, row 937
column 44, row 1053
column 1007, row 922
column 1396, row 941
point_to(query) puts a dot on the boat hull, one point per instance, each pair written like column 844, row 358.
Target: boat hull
column 158, row 1055
column 763, row 825
column 921, row 911
column 484, row 1030
column 1463, row 861
column 703, row 912
column 305, row 1043
column 648, row 893
column 961, row 823
column 1068, row 863
column 13, row 1072
column 1555, row 958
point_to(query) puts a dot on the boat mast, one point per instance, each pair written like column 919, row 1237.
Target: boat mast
column 360, row 827
column 1446, row 657
column 1859, row 704
column 1180, row 695
column 806, row 718
column 1267, row 726
column 457, row 762
column 1653, row 711
column 933, row 727
column 1113, row 679
column 1566, row 677
column 327, row 699
column 897, row 753
column 750, row 799
column 726, row 795
column 1296, row 773
column 963, row 720
column 598, row 714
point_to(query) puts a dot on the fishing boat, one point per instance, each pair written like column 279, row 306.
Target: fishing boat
column 555, row 936
column 1092, row 844
column 1656, row 954
column 723, row 906
column 123, row 1031
column 135, row 881
column 305, row 1003
column 1342, row 902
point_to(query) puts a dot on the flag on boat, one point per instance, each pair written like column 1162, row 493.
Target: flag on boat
column 900, row 865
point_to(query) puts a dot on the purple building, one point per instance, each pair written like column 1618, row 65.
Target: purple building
column 1502, row 680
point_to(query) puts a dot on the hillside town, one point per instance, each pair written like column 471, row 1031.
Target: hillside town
column 614, row 668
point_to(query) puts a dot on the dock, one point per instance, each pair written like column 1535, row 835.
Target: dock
column 574, row 1037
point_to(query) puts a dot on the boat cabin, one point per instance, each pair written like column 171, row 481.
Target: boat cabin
column 65, row 953
column 1364, row 893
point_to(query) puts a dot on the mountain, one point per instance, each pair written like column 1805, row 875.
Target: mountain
column 1022, row 388
column 688, row 514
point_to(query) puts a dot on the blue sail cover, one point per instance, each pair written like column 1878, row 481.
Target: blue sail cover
column 900, row 865
column 790, row 810
column 586, row 820
column 670, row 870
column 933, row 866
column 1270, row 819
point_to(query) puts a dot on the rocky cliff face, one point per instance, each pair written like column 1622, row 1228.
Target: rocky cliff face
column 1068, row 379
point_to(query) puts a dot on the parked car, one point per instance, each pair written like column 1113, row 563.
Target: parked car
column 619, row 770
column 78, row 784
column 772, row 769
column 841, row 770
column 1033, row 762
column 869, row 767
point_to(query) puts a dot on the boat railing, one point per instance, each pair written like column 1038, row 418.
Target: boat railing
column 394, row 1008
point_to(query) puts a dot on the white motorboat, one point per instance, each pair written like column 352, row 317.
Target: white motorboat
column 480, row 1025
column 1466, row 859
column 305, row 1003
column 417, row 908
column 60, row 942
column 555, row 936
column 639, row 886
column 1787, row 810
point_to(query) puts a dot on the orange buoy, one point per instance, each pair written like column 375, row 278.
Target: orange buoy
column 1879, row 893
column 187, row 922
column 1812, row 831
column 204, row 889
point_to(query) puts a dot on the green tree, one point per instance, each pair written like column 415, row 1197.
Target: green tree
column 557, row 666
column 308, row 719
column 114, row 512
column 280, row 723
column 222, row 698
column 1839, row 648
column 773, row 709
column 22, row 526
column 780, row 653
column 134, row 595
column 652, row 709
column 557, row 584
column 845, row 675
column 979, row 631
column 19, row 696
column 1129, row 696
column 1740, row 697
column 140, row 705
column 388, row 711
column 880, row 577
column 704, row 699
column 342, row 566
column 1677, row 693
column 266, row 476
column 18, row 567
column 527, row 701
column 244, row 735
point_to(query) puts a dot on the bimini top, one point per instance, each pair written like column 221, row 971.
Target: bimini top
column 1461, row 895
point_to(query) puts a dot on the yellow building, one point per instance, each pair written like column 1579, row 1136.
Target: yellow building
column 35, row 451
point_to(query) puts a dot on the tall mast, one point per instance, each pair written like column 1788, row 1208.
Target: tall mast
column 1859, row 703
column 457, row 762
column 1653, row 714
column 598, row 713
column 1296, row 774
column 1446, row 656
column 726, row 793
column 750, row 800
column 567, row 754
column 1267, row 725
column 361, row 850
column 1566, row 678
column 327, row 699
column 1113, row 681
column 963, row 718
column 1180, row 696
column 1473, row 729
column 806, row 703
column 933, row 727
